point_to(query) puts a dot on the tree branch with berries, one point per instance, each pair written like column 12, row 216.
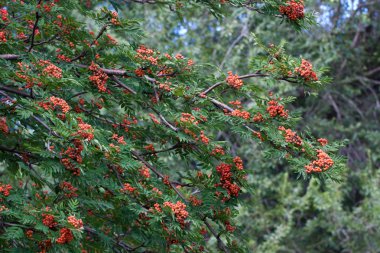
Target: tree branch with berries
column 111, row 145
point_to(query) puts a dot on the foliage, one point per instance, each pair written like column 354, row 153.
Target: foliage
column 92, row 128
column 346, row 41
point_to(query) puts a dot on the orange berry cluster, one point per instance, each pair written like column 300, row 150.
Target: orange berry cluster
column 195, row 201
column 119, row 139
column 114, row 19
column 98, row 78
column 236, row 103
column 85, row 130
column 3, row 37
column 154, row 119
column 48, row 220
column 127, row 121
column 241, row 114
column 290, row 136
column 150, row 147
column 47, row 7
column 226, row 179
column 323, row 141
column 179, row 56
column 188, row 118
column 128, row 188
column 238, row 163
column 50, row 70
column 323, row 163
column 306, row 71
column 233, row 80
column 61, row 103
column 76, row 223
column 165, row 86
column 139, row 72
column 66, row 236
column 3, row 125
column 75, row 155
column 29, row 233
column 146, row 54
column 5, row 189
column 179, row 210
column 4, row 15
column 258, row 117
column 69, row 189
column 157, row 207
column 22, row 74
column 274, row 109
column 218, row 150
column 144, row 172
column 258, row 135
column 63, row 57
column 204, row 138
column 229, row 227
column 294, row 10
column 111, row 40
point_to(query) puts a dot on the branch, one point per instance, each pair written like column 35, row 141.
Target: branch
column 221, row 244
column 36, row 174
column 77, row 94
column 229, row 109
column 155, row 171
column 51, row 131
column 257, row 74
column 84, row 52
column 258, row 10
column 15, row 151
column 372, row 71
column 117, row 81
column 164, row 121
column 115, row 72
column 163, row 150
column 97, row 117
column 20, row 93
column 34, row 31
column 9, row 56
column 243, row 33
column 46, row 41
column 34, row 117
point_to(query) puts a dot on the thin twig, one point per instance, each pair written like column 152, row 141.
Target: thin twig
column 84, row 52
column 46, row 41
column 164, row 121
column 34, row 31
column 155, row 171
column 115, row 72
column 240, row 77
column 177, row 145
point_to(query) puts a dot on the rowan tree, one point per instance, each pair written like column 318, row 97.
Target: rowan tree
column 111, row 146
